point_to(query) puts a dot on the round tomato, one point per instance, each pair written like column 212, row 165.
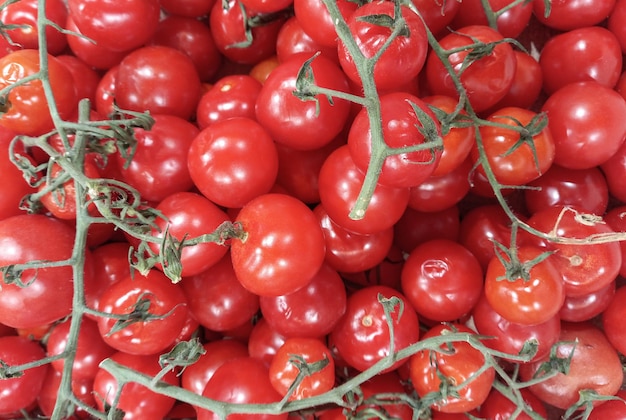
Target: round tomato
column 94, row 55
column 568, row 15
column 526, row 86
column 14, row 187
column 438, row 193
column 269, row 258
column 499, row 407
column 510, row 22
column 188, row 8
column 292, row 39
column 586, row 307
column 317, row 22
column 612, row 318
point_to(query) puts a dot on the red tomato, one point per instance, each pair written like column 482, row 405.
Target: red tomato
column 310, row 312
column 498, row 67
column 94, row 55
column 264, row 341
column 427, row 368
column 297, row 123
column 233, row 161
column 594, row 365
column 442, row 280
column 136, row 401
column 499, row 407
column 586, row 123
column 85, row 77
column 516, row 158
column 480, row 227
column 402, row 126
column 317, row 22
column 292, row 39
column 613, row 170
column 269, row 260
column 437, row 16
column 158, row 79
column 362, row 335
column 48, row 396
column 286, row 366
column 510, row 22
column 580, row 55
column 586, row 307
column 188, row 8
column 616, row 219
column 13, row 188
column 25, row 107
column 612, row 319
column 114, row 25
column 20, row 392
column 405, row 55
column 526, row 86
column 241, row 380
column 616, row 23
column 438, row 193
column 522, row 289
column 142, row 334
column 614, row 409
column 416, row 227
column 217, row 300
column 567, row 15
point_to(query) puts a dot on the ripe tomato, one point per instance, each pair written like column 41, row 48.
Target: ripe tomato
column 589, row 53
column 568, row 15
column 269, row 260
column 612, row 319
column 439, row 193
column 510, row 23
column 188, row 8
column 310, row 312
column 114, row 25
column 586, row 125
column 480, row 227
column 437, row 16
column 14, row 187
column 613, row 170
column 594, row 365
column 526, row 86
column 362, row 335
column 405, row 55
column 416, row 227
column 614, row 409
column 233, row 161
column 264, row 341
column 303, row 124
column 402, row 126
column 516, row 158
column 498, row 66
column 94, row 55
column 616, row 219
column 499, row 407
column 158, row 79
column 292, row 39
column 586, row 307
column 317, row 22
column 48, row 396
column 616, row 21
column 428, row 368
column 285, row 368
column 20, row 392
column 241, row 380
column 524, row 291
column 25, row 107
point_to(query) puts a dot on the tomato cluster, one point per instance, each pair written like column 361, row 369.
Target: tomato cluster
column 323, row 208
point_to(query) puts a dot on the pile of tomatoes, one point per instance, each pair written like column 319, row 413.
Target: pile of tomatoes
column 319, row 209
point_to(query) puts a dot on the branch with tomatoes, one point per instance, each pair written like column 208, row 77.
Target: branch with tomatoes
column 312, row 209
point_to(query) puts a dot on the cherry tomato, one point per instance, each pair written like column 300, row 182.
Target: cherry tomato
column 527, row 83
column 264, row 341
column 616, row 21
column 611, row 320
column 437, row 16
column 14, row 187
column 405, row 55
column 317, row 22
column 25, row 107
column 267, row 6
column 584, row 119
column 480, row 227
column 48, row 396
column 284, row 368
column 497, row 406
column 362, row 335
column 616, row 219
column 614, row 409
column 303, row 124
column 269, row 260
column 510, row 23
column 94, row 55
column 416, row 227
column 567, row 15
column 613, row 170
column 188, row 8
column 292, row 39
column 439, row 193
column 427, row 368
column 586, row 307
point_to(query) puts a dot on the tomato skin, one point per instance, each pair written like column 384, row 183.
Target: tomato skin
column 527, row 83
column 589, row 53
column 20, row 392
column 283, row 372
column 14, row 187
column 241, row 380
column 25, row 110
column 437, row 16
column 114, row 25
column 595, row 365
column 568, row 15
column 498, row 67
column 231, row 96
column 292, row 39
column 459, row 366
column 158, row 79
column 518, row 166
column 613, row 170
column 499, row 407
column 616, row 21
column 612, row 318
column 233, row 161
column 94, row 55
column 510, row 24
column 401, row 61
column 187, row 8
column 401, row 127
column 442, row 280
column 586, row 124
column 616, row 219
column 438, row 193
column 614, row 409
column 146, row 336
column 480, row 227
column 296, row 123
column 362, row 337
column 586, row 307
column 269, row 261
column 317, row 22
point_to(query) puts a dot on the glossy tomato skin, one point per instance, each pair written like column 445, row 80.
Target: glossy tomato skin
column 49, row 297
column 158, row 79
column 187, row 8
column 614, row 409
column 25, row 108
column 499, row 407
column 340, row 182
column 586, row 307
column 510, row 23
column 589, row 53
column 401, row 127
column 296, row 123
column 233, row 161
column 95, row 55
column 241, row 380
column 498, row 67
column 137, row 401
column 616, row 219
column 437, row 16
column 613, row 170
column 459, row 366
column 416, row 227
column 442, row 280
column 568, row 15
column 114, row 25
column 312, row 311
column 192, row 215
column 150, row 336
column 510, row 337
column 480, row 227
column 594, row 366
column 616, row 21
column 527, row 83
column 264, row 341
column 401, row 61
column 20, row 392
column 586, row 124
column 362, row 336
column 438, row 193
column 270, row 260
column 611, row 320
column 14, row 187
column 292, row 39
